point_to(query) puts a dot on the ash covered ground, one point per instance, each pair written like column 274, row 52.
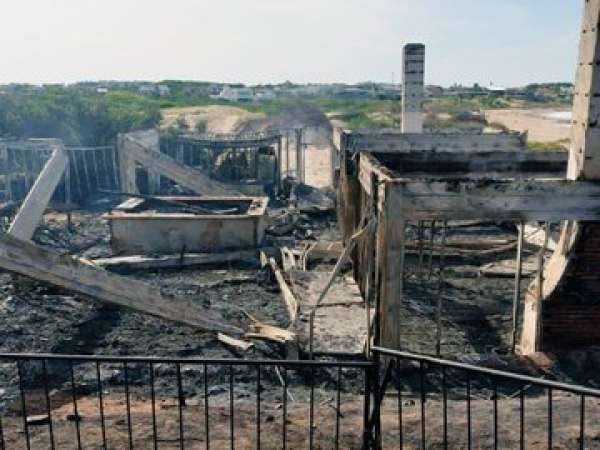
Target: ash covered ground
column 40, row 318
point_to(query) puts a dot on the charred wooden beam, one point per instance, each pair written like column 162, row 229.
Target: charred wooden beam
column 84, row 278
column 32, row 210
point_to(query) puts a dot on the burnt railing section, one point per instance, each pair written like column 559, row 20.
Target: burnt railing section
column 90, row 171
column 437, row 403
column 56, row 401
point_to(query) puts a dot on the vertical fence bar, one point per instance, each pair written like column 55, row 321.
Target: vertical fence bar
column 73, row 162
column 423, row 398
column 367, row 409
column 338, row 403
column 517, row 290
column 128, row 405
column 106, row 177
column 285, row 395
column 495, row 394
column 180, row 403
column 153, row 406
column 23, row 405
column 2, row 443
column 438, row 319
column 258, row 405
column 231, row 417
column 101, row 405
column 582, row 423
column 445, row 406
column 421, row 244
column 550, row 419
column 75, row 409
column 95, row 167
column 469, row 430
column 431, row 244
column 206, row 406
column 88, row 180
column 115, row 167
column 400, row 406
column 312, row 408
column 48, row 404
column 522, row 417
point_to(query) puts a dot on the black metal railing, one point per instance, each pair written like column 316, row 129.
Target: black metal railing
column 446, row 404
column 415, row 401
column 66, row 401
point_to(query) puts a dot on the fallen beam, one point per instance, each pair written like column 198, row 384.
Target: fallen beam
column 165, row 165
column 288, row 297
column 27, row 259
column 32, row 210
column 141, row 262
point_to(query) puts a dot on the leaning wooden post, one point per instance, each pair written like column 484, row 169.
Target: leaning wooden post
column 517, row 291
column 32, row 210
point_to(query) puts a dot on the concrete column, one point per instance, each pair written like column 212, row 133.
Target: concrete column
column 413, row 79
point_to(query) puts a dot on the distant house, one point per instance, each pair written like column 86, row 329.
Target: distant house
column 147, row 89
column 354, row 94
column 434, row 91
column 567, row 90
column 163, row 90
column 265, row 95
column 236, row 94
column 102, row 90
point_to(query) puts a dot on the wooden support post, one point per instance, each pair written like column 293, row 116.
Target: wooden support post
column 126, row 167
column 32, row 210
column 371, row 245
column 517, row 292
column 391, row 241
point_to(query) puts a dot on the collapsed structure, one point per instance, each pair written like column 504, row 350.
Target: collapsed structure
column 175, row 230
column 396, row 179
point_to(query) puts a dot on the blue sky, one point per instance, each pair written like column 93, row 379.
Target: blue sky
column 508, row 42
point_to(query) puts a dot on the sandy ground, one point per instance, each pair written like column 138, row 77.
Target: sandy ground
column 219, row 119
column 543, row 125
